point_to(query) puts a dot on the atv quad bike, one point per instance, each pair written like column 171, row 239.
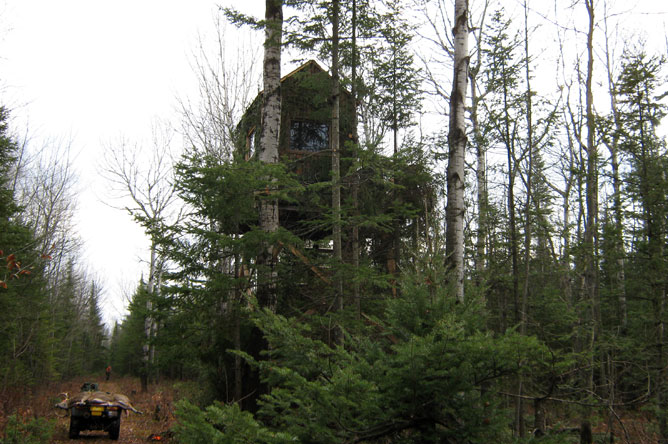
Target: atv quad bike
column 96, row 410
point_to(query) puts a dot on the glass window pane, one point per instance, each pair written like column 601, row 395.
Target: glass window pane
column 309, row 136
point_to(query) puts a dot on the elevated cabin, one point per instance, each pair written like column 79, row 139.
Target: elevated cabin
column 398, row 205
column 304, row 138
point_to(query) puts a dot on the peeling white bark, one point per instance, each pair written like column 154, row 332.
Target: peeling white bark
column 457, row 140
column 271, row 124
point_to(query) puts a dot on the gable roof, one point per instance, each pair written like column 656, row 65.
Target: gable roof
column 310, row 63
column 303, row 67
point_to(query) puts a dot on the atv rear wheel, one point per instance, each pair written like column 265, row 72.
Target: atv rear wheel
column 115, row 429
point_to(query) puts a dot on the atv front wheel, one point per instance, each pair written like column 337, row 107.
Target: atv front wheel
column 74, row 428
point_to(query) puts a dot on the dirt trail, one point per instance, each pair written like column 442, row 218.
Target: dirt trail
column 134, row 428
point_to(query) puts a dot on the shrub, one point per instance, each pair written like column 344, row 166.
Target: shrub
column 33, row 431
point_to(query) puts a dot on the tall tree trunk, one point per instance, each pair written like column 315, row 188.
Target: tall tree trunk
column 618, row 278
column 591, row 224
column 393, row 256
column 457, row 140
column 512, row 220
column 336, row 161
column 566, row 230
column 268, row 217
column 271, row 124
column 148, row 322
column 481, row 181
column 235, row 313
column 529, row 181
column 618, row 285
column 356, row 179
column 519, row 420
column 662, row 396
column 481, row 159
column 396, row 229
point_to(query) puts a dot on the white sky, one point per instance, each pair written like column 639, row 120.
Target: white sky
column 92, row 71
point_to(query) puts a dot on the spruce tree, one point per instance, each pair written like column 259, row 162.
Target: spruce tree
column 503, row 106
column 25, row 335
column 641, row 112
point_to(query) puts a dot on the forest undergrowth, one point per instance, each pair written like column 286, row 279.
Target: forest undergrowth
column 28, row 416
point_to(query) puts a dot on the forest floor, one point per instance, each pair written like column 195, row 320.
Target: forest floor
column 157, row 406
column 135, row 428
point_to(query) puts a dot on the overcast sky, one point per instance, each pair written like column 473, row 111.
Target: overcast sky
column 91, row 71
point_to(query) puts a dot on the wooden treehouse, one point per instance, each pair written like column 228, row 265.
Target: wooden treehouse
column 304, row 141
column 305, row 147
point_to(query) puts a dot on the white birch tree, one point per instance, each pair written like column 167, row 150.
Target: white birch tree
column 457, row 140
column 271, row 125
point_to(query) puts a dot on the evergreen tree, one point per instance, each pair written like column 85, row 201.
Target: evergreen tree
column 8, row 148
column 503, row 106
column 394, row 95
column 641, row 112
column 128, row 338
column 415, row 376
column 68, row 324
column 93, row 334
column 214, row 254
column 24, row 334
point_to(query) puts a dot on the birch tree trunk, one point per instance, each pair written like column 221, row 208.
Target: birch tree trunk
column 481, row 180
column 457, row 140
column 149, row 322
column 271, row 124
column 481, row 157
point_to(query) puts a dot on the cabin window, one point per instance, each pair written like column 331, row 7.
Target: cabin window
column 309, row 136
column 252, row 141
